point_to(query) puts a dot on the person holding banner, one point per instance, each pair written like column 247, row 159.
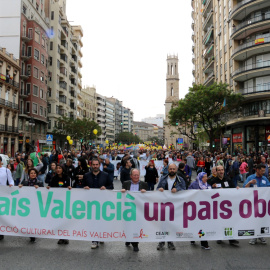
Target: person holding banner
column 201, row 184
column 96, row 179
column 174, row 183
column 222, row 181
column 30, row 165
column 257, row 180
column 5, row 176
column 60, row 180
column 134, row 185
column 32, row 181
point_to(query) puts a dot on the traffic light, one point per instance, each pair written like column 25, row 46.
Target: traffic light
column 176, row 123
column 90, row 144
column 81, row 140
column 121, row 123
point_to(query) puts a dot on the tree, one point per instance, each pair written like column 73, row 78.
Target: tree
column 77, row 128
column 127, row 137
column 157, row 140
column 205, row 109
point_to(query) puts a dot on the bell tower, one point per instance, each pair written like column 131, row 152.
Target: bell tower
column 172, row 95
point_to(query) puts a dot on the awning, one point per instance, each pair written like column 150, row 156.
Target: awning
column 209, row 36
column 210, row 49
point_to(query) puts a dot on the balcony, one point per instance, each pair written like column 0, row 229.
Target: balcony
column 73, row 94
column 258, row 91
column 63, row 57
column 193, row 58
column 63, row 99
column 63, row 85
column 209, row 50
column 9, row 81
column 246, row 28
column 252, row 71
column 26, row 38
column 62, row 112
column 24, row 75
column 24, row 93
column 209, row 66
column 10, row 129
column 209, row 80
column 251, row 48
column 207, row 7
column 74, row 82
column 9, row 104
column 64, row 44
column 25, row 56
column 240, row 10
column 208, row 37
column 209, row 20
column 63, row 71
column 192, row 25
column 74, row 57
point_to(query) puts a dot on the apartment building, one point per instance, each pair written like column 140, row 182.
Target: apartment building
column 110, row 121
column 90, row 105
column 231, row 44
column 101, row 117
column 143, row 130
column 127, row 120
column 32, row 122
column 9, row 99
column 64, row 92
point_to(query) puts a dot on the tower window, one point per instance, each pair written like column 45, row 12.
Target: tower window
column 172, row 91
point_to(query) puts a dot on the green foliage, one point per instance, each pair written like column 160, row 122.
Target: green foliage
column 127, row 137
column 204, row 108
column 77, row 128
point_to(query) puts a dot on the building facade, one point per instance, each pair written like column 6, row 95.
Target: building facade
column 9, row 102
column 110, row 121
column 101, row 118
column 143, row 130
column 90, row 105
column 127, row 120
column 231, row 45
column 64, row 93
column 157, row 120
column 32, row 122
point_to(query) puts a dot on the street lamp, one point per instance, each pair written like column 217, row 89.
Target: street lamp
column 32, row 124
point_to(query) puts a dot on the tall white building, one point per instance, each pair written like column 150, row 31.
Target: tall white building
column 157, row 120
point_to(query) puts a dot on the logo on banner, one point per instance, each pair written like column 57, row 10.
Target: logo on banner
column 228, row 232
column 201, row 233
column 184, row 235
column 246, row 232
column 140, row 235
column 265, row 230
column 162, row 235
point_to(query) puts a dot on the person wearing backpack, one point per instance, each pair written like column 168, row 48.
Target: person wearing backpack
column 5, row 176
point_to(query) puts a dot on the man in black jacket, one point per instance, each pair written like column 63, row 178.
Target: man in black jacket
column 125, row 172
column 96, row 179
column 181, row 172
column 134, row 185
column 223, row 181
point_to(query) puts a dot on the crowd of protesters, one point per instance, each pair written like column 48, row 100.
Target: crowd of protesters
column 93, row 169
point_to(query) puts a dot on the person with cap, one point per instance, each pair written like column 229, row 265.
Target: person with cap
column 5, row 176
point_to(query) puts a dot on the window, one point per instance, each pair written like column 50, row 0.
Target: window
column 51, row 45
column 35, row 72
column 29, row 51
column 49, row 92
column 52, row 31
column 52, row 15
column 35, row 90
column 50, row 60
column 43, row 42
column 37, row 6
column 28, row 70
column 50, row 124
column 42, row 59
column 36, row 54
column 27, row 107
column 42, row 76
column 45, row 112
column 30, row 33
column 34, row 108
column 41, row 111
column 49, row 108
column 37, row 36
column 24, row 9
column 57, row 109
column 28, row 88
column 58, row 64
column 41, row 93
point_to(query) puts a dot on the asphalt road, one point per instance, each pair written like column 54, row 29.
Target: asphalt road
column 19, row 253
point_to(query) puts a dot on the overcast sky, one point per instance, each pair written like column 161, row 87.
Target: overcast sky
column 126, row 45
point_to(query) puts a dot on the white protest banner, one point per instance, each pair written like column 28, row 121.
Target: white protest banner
column 104, row 215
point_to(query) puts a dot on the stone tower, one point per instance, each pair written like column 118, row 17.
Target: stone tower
column 172, row 95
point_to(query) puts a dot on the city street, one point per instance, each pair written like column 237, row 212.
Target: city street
column 19, row 253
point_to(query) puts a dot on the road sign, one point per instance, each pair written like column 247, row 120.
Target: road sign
column 49, row 138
